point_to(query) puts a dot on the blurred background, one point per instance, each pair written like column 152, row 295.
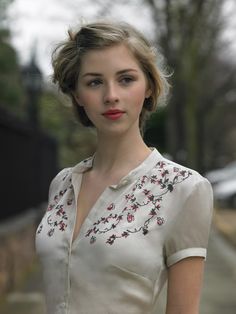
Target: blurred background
column 39, row 134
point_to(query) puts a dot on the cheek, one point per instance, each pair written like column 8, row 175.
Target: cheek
column 138, row 97
column 85, row 99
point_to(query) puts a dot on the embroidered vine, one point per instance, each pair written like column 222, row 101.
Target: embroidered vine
column 166, row 179
column 147, row 195
column 58, row 219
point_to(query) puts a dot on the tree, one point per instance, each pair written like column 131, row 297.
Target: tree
column 57, row 117
column 3, row 6
column 190, row 41
column 12, row 94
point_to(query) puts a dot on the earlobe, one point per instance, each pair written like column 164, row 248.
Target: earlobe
column 148, row 93
column 76, row 97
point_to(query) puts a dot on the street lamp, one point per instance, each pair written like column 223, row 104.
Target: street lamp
column 32, row 81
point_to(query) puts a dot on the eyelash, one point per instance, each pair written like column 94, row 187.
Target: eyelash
column 94, row 83
column 126, row 80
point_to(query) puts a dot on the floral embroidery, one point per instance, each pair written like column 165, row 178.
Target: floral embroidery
column 130, row 217
column 165, row 180
column 59, row 223
column 57, row 220
column 111, row 206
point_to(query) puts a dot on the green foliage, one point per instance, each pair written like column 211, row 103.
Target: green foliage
column 191, row 41
column 12, row 93
column 3, row 6
column 155, row 130
column 58, row 119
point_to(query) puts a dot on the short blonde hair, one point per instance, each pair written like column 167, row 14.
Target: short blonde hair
column 67, row 57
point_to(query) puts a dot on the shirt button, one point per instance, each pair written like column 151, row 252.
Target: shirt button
column 63, row 304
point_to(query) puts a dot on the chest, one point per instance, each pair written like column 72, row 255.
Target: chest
column 107, row 214
column 123, row 227
column 87, row 197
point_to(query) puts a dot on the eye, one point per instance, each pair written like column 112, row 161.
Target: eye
column 126, row 80
column 94, row 83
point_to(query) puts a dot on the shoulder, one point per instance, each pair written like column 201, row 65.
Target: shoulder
column 61, row 181
column 62, row 175
column 180, row 178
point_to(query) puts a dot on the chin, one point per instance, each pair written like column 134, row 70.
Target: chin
column 118, row 130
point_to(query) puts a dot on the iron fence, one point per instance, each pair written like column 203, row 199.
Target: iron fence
column 28, row 161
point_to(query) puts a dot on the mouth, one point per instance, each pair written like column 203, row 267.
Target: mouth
column 113, row 114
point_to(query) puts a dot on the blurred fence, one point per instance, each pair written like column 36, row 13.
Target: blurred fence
column 28, row 161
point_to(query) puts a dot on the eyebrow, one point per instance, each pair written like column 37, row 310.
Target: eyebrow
column 118, row 73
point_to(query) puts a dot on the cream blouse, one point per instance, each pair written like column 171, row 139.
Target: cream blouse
column 157, row 215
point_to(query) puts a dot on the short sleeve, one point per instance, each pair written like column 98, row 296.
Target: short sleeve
column 189, row 232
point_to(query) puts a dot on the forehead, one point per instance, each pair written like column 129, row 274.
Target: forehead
column 117, row 56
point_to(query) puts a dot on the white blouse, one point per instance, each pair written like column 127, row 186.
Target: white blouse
column 157, row 215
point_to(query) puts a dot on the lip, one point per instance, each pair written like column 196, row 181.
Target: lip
column 113, row 114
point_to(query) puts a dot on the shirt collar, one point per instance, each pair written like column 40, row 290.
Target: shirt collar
column 133, row 175
column 83, row 165
column 141, row 169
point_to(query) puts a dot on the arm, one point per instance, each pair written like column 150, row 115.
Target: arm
column 184, row 286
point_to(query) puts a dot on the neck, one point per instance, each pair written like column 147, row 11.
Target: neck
column 120, row 155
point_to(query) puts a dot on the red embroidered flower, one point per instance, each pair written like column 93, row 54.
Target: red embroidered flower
column 60, row 211
column 151, row 197
column 50, row 207
column 183, row 173
column 134, row 207
column 161, row 164
column 62, row 226
column 160, row 221
column 69, row 202
column 130, row 217
column 111, row 206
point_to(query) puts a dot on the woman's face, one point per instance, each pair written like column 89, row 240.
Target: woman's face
column 112, row 88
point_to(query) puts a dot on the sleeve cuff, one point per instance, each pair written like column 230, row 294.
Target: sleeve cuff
column 190, row 252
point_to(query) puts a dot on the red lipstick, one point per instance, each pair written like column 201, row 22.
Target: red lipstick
column 113, row 114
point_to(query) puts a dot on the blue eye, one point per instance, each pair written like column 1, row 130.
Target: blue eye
column 127, row 80
column 94, row 83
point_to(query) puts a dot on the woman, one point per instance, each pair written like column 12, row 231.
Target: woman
column 122, row 222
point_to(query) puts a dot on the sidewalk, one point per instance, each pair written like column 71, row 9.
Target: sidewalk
column 219, row 286
column 218, row 295
column 225, row 221
column 28, row 298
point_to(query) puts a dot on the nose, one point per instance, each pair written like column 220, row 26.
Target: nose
column 111, row 94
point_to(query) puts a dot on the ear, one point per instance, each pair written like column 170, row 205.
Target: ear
column 76, row 97
column 148, row 93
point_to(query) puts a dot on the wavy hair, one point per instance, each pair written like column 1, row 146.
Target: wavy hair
column 68, row 55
